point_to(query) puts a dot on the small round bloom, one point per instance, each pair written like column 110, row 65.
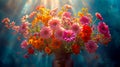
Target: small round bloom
column 99, row 16
column 59, row 33
column 91, row 46
column 53, row 12
column 32, row 14
column 67, row 6
column 75, row 27
column 76, row 49
column 47, row 50
column 54, row 23
column 24, row 44
column 45, row 32
column 85, row 20
column 68, row 35
column 26, row 56
column 16, row 28
column 66, row 14
column 103, row 29
column 24, row 27
column 30, row 50
column 12, row 24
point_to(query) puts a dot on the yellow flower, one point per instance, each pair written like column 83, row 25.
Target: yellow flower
column 35, row 21
column 80, row 14
column 84, row 10
column 60, row 13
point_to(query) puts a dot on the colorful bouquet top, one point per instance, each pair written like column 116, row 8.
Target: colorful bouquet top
column 50, row 30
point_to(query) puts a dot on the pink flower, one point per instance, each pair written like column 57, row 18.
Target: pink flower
column 45, row 32
column 66, row 14
column 53, row 12
column 99, row 16
column 5, row 20
column 66, row 21
column 85, row 20
column 59, row 33
column 91, row 46
column 16, row 28
column 75, row 27
column 24, row 44
column 68, row 35
column 54, row 23
column 12, row 24
column 103, row 29
column 24, row 18
column 24, row 27
column 32, row 14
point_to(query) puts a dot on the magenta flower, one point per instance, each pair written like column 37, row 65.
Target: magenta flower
column 103, row 29
column 68, row 35
column 24, row 44
column 54, row 23
column 75, row 27
column 91, row 46
column 85, row 20
column 59, row 33
column 45, row 32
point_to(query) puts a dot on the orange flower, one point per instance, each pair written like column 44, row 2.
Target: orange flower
column 35, row 21
column 80, row 14
column 38, row 43
column 47, row 50
column 55, row 44
column 31, row 39
column 39, row 7
column 45, row 19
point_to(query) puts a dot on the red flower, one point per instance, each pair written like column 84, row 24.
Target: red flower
column 86, row 33
column 30, row 50
column 98, row 15
column 76, row 49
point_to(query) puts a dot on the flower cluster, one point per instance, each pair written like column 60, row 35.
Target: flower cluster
column 51, row 30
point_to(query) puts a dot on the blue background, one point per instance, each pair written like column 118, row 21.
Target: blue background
column 11, row 55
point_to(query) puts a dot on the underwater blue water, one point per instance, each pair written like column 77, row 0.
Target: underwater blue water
column 11, row 55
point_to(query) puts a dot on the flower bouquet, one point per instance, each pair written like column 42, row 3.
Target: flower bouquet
column 61, row 33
